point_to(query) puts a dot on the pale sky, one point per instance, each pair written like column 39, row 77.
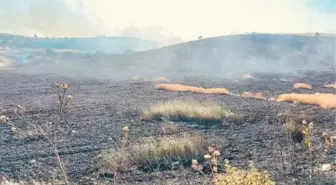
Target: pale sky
column 158, row 19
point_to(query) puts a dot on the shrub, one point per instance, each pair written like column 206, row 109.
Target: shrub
column 302, row 86
column 235, row 176
column 184, row 88
column 186, row 111
column 326, row 101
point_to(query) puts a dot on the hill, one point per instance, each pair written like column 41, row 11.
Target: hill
column 111, row 45
column 252, row 52
column 218, row 56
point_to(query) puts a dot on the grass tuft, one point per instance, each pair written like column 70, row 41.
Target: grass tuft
column 258, row 96
column 184, row 88
column 150, row 152
column 161, row 79
column 173, row 148
column 331, row 85
column 326, row 101
column 179, row 110
column 302, row 86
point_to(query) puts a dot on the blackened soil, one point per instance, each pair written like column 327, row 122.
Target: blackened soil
column 100, row 108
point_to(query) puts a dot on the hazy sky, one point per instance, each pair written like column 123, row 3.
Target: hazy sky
column 165, row 19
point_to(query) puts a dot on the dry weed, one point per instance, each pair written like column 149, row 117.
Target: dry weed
column 6, row 181
column 140, row 78
column 184, row 88
column 186, row 111
column 326, row 101
column 331, row 85
column 258, row 96
column 235, row 176
column 169, row 128
column 161, row 79
column 302, row 86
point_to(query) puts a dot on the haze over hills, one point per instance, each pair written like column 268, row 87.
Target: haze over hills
column 110, row 45
column 239, row 53
column 217, row 56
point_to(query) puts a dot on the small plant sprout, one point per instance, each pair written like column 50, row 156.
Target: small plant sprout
column 307, row 131
column 125, row 140
column 212, row 159
column 3, row 119
column 61, row 91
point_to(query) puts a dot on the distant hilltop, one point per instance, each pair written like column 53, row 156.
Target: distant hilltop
column 109, row 45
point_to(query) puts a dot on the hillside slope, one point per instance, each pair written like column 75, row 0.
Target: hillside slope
column 111, row 45
column 254, row 52
column 219, row 57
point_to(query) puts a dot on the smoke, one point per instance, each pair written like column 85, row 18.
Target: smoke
column 165, row 21
column 169, row 22
column 46, row 18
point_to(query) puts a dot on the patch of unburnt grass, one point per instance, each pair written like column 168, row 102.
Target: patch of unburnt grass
column 164, row 153
column 188, row 110
column 325, row 101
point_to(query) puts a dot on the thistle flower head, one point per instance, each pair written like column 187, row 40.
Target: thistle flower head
column 65, row 86
column 304, row 122
column 125, row 129
column 210, row 149
column 194, row 162
column 3, row 119
column 216, row 153
column 13, row 129
column 311, row 125
column 207, row 157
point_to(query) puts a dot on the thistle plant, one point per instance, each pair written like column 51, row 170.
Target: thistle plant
column 212, row 159
column 307, row 131
column 63, row 100
column 125, row 139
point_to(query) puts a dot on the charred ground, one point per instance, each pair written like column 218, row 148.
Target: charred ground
column 100, row 108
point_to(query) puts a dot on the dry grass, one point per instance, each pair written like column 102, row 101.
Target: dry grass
column 331, row 85
column 140, row 78
column 5, row 181
column 169, row 128
column 302, row 86
column 235, row 176
column 186, row 111
column 258, row 96
column 175, row 148
column 151, row 151
column 161, row 79
column 326, row 101
column 184, row 88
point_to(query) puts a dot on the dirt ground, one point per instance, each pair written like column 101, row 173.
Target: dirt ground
column 100, row 108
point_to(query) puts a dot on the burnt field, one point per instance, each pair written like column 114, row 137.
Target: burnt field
column 92, row 123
